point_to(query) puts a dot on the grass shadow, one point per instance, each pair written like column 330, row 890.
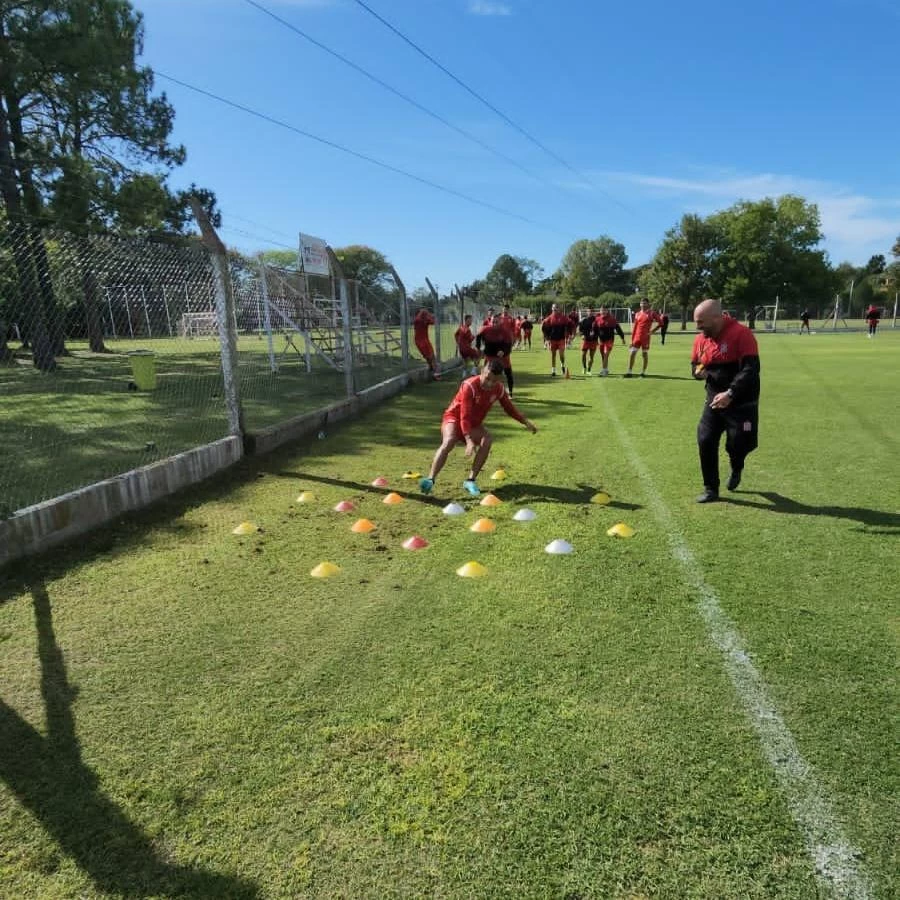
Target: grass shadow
column 49, row 778
column 887, row 522
column 524, row 492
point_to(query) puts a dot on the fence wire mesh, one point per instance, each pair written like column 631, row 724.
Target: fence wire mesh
column 110, row 353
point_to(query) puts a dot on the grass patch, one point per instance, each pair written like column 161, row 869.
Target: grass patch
column 198, row 715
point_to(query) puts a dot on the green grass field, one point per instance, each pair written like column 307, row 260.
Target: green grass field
column 184, row 712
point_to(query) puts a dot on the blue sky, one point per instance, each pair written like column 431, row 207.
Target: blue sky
column 660, row 107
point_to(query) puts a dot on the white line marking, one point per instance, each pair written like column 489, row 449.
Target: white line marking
column 836, row 860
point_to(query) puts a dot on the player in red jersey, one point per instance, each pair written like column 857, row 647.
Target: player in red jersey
column 555, row 328
column 726, row 356
column 462, row 423
column 589, row 340
column 607, row 328
column 873, row 315
column 527, row 328
column 646, row 322
column 464, row 340
column 421, row 322
column 507, row 320
column 496, row 342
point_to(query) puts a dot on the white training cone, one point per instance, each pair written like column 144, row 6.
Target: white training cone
column 525, row 515
column 558, row 546
column 453, row 509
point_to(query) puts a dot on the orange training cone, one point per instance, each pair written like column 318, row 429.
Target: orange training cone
column 483, row 526
column 491, row 500
column 392, row 498
column 362, row 526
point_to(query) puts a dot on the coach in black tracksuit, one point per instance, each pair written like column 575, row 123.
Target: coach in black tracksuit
column 725, row 355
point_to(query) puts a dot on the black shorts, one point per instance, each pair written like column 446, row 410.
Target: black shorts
column 740, row 424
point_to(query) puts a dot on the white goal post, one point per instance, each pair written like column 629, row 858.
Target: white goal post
column 199, row 324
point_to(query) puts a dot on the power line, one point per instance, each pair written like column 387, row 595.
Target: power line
column 484, row 101
column 369, row 159
column 257, row 237
column 428, row 112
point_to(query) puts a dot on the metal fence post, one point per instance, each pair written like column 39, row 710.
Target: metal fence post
column 264, row 288
column 348, row 336
column 404, row 320
column 437, row 321
column 224, row 296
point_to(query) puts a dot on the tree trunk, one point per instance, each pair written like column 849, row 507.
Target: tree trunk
column 684, row 316
column 30, row 301
column 6, row 355
column 90, row 292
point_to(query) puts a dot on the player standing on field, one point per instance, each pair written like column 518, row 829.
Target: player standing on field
column 641, row 329
column 555, row 328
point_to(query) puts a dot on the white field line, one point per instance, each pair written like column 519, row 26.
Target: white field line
column 836, row 860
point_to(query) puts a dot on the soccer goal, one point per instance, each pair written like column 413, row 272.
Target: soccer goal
column 199, row 324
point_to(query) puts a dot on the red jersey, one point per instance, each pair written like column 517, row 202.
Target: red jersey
column 508, row 324
column 472, row 403
column 421, row 322
column 873, row 314
column 464, row 338
column 643, row 322
column 556, row 326
column 723, row 357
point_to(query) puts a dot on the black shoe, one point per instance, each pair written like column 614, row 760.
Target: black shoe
column 643, row 374
column 708, row 496
column 628, row 375
column 735, row 479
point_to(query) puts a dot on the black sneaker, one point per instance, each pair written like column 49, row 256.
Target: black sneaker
column 735, row 479
column 708, row 496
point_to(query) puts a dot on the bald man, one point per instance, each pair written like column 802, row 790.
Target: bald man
column 726, row 357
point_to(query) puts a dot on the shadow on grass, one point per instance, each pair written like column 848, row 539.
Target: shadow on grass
column 363, row 488
column 888, row 522
column 50, row 779
column 580, row 495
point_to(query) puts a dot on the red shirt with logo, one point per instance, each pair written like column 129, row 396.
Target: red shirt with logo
column 473, row 402
column 730, row 360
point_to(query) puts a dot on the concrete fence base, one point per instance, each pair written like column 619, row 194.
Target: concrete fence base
column 45, row 525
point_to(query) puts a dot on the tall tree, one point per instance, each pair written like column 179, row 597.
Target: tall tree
column 768, row 249
column 895, row 250
column 680, row 271
column 506, row 279
column 876, row 264
column 591, row 267
column 366, row 265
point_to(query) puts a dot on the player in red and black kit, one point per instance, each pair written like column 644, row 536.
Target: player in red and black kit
column 495, row 340
column 589, row 340
column 641, row 329
column 873, row 315
column 527, row 328
column 462, row 424
column 555, row 328
column 607, row 328
column 464, row 338
column 804, row 321
column 725, row 355
column 421, row 322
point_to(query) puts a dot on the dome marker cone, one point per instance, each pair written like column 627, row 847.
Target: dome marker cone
column 306, row 497
column 246, row 528
column 525, row 515
column 325, row 570
column 483, row 526
column 559, row 546
column 601, row 498
column 472, row 570
column 453, row 509
column 415, row 543
column 621, row 530
column 380, row 481
column 345, row 506
column 499, row 475
column 491, row 500
column 392, row 498
column 362, row 526
column 410, row 474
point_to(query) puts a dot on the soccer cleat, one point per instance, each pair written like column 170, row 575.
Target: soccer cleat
column 471, row 487
column 708, row 496
column 735, row 479
column 553, row 373
column 426, row 485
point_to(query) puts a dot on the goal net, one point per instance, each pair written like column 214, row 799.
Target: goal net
column 199, row 324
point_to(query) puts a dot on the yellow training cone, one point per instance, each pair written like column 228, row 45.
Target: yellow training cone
column 306, row 497
column 491, row 500
column 601, row 498
column 362, row 526
column 483, row 526
column 471, row 570
column 325, row 570
column 245, row 528
column 499, row 475
column 412, row 474
column 621, row 530
column 392, row 498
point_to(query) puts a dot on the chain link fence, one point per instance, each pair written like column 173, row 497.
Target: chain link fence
column 111, row 352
